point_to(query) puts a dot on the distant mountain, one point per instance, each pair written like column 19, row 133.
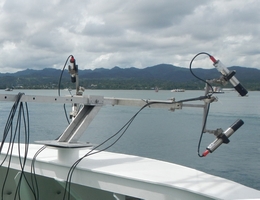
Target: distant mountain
column 162, row 75
column 49, row 72
column 168, row 72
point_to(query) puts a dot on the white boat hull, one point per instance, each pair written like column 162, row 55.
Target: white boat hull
column 116, row 176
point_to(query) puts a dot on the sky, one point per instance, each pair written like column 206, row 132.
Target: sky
column 127, row 33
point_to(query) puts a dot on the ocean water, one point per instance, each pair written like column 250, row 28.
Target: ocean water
column 162, row 134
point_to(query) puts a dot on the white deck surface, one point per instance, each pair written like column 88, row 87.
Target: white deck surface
column 134, row 176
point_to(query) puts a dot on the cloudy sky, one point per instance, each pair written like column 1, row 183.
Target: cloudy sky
column 127, row 33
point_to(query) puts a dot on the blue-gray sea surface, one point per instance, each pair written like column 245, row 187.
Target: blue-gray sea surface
column 162, row 134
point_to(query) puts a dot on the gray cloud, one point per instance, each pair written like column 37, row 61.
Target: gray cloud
column 101, row 33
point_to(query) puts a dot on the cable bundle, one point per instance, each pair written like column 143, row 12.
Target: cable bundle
column 17, row 130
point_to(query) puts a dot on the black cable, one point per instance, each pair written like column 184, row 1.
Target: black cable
column 91, row 152
column 33, row 175
column 59, row 83
column 7, row 171
column 65, row 111
column 62, row 73
column 201, row 53
column 23, row 115
column 15, row 132
column 207, row 95
column 9, row 122
column 124, row 129
column 193, row 99
column 9, row 131
column 18, row 129
column 202, row 131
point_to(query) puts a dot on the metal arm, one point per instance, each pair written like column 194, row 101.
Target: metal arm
column 91, row 106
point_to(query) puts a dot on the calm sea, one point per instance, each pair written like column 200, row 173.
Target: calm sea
column 162, row 134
